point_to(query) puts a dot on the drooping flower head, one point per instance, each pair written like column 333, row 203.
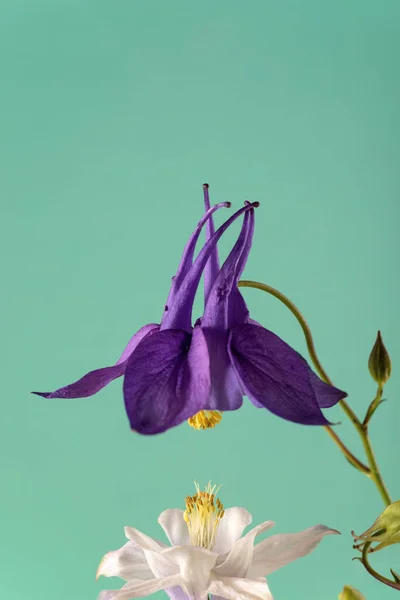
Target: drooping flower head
column 174, row 371
column 232, row 356
column 208, row 554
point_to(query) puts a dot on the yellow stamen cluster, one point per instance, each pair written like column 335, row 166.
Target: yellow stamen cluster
column 205, row 419
column 202, row 515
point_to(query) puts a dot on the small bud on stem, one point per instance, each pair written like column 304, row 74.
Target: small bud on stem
column 379, row 362
column 350, row 593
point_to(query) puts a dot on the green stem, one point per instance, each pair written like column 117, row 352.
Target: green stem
column 372, row 471
column 347, row 453
column 374, row 573
column 373, row 465
column 303, row 323
column 374, row 405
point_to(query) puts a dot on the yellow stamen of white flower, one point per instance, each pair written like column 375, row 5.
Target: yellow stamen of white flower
column 205, row 419
column 202, row 515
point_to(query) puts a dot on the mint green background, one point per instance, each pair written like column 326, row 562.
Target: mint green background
column 112, row 116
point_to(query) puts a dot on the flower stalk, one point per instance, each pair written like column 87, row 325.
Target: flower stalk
column 372, row 470
column 374, row 405
column 385, row 580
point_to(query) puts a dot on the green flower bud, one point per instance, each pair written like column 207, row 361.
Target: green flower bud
column 379, row 363
column 385, row 530
column 350, row 593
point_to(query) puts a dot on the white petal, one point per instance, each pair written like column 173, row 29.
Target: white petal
column 195, row 565
column 233, row 588
column 160, row 564
column 145, row 542
column 128, row 562
column 239, row 558
column 279, row 550
column 231, row 527
column 137, row 588
column 176, row 530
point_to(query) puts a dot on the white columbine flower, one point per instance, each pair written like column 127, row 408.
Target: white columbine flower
column 208, row 554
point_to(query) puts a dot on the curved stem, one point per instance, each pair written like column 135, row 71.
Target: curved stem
column 373, row 470
column 347, row 453
column 303, row 323
column 316, row 362
column 374, row 573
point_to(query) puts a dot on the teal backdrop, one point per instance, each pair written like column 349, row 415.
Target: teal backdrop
column 113, row 114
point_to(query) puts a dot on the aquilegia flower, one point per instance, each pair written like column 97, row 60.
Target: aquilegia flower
column 208, row 554
column 174, row 371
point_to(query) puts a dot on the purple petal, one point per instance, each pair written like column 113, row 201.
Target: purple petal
column 327, row 395
column 274, row 375
column 188, row 252
column 94, row 381
column 134, row 341
column 167, row 380
column 225, row 393
column 180, row 313
column 212, row 267
column 88, row 385
column 176, row 593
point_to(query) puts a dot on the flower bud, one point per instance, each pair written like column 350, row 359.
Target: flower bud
column 385, row 530
column 350, row 593
column 379, row 363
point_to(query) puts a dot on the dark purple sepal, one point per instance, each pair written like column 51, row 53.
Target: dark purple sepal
column 274, row 375
column 327, row 395
column 89, row 384
column 94, row 381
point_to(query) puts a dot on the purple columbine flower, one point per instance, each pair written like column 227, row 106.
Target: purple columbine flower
column 174, row 372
